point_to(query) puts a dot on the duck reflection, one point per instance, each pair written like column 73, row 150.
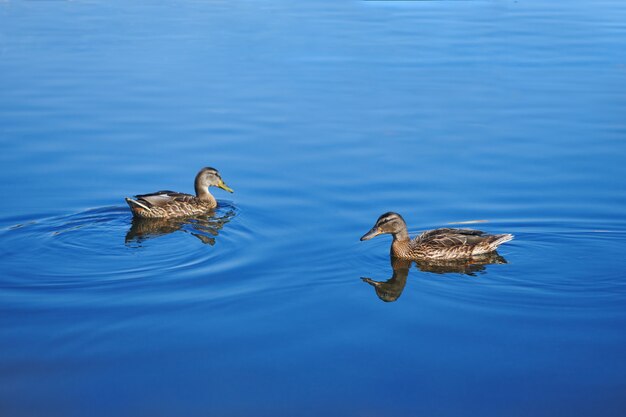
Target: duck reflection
column 460, row 266
column 391, row 289
column 205, row 227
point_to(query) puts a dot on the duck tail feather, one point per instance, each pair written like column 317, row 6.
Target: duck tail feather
column 500, row 239
column 134, row 204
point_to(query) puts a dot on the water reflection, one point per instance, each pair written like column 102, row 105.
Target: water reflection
column 391, row 289
column 460, row 266
column 205, row 227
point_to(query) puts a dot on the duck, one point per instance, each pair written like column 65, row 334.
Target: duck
column 442, row 243
column 171, row 204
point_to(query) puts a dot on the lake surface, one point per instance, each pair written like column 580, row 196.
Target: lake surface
column 321, row 116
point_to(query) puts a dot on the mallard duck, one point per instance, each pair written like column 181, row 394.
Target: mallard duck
column 168, row 204
column 434, row 244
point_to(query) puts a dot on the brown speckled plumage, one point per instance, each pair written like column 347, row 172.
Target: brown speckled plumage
column 435, row 244
column 169, row 204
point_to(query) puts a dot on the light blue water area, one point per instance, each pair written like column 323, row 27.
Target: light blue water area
column 509, row 115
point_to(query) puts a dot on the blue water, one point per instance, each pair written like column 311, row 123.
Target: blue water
column 510, row 115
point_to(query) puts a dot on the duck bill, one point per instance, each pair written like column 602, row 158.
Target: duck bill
column 225, row 187
column 372, row 233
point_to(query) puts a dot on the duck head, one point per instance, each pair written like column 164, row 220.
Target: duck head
column 390, row 223
column 209, row 177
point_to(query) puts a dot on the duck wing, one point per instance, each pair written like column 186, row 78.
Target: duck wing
column 446, row 238
column 162, row 198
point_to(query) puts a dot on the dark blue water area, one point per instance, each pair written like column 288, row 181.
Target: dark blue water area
column 507, row 116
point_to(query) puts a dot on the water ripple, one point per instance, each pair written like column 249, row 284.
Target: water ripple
column 105, row 245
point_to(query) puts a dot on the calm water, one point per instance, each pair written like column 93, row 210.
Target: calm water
column 321, row 116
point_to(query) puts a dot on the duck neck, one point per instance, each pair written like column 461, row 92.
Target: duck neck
column 202, row 193
column 401, row 236
column 401, row 245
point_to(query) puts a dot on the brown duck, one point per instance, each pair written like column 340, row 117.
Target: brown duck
column 434, row 244
column 169, row 204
